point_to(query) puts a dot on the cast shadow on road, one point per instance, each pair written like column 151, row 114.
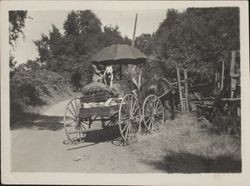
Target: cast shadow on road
column 38, row 122
column 106, row 135
column 190, row 163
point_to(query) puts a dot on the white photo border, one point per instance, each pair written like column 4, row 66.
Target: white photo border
column 124, row 179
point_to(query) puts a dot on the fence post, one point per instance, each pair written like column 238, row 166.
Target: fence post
column 186, row 89
column 232, row 72
column 222, row 75
column 179, row 87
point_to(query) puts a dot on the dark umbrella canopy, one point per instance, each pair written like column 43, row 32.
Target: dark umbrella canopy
column 119, row 54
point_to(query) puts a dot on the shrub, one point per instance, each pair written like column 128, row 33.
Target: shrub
column 30, row 89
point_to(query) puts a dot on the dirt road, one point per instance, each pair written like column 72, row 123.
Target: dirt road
column 42, row 146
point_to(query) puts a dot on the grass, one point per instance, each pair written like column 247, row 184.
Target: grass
column 182, row 145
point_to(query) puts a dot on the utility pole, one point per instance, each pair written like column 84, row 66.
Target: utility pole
column 133, row 41
column 132, row 68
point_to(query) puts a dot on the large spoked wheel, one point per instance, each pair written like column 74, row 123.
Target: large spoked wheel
column 129, row 118
column 73, row 125
column 153, row 113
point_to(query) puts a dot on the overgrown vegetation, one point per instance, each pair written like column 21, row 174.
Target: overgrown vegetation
column 185, row 145
column 34, row 88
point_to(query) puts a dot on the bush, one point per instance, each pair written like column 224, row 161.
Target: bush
column 30, row 89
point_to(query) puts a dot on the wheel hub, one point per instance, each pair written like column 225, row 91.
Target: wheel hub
column 154, row 112
column 77, row 120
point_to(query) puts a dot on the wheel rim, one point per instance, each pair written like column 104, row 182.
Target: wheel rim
column 129, row 118
column 153, row 113
column 73, row 125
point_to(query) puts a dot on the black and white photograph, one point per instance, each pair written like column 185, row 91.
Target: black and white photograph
column 121, row 89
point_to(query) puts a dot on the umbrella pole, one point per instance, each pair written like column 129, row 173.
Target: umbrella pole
column 120, row 72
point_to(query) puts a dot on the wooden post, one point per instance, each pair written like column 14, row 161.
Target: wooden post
column 222, row 76
column 232, row 71
column 120, row 72
column 172, row 102
column 179, row 87
column 186, row 89
column 233, row 58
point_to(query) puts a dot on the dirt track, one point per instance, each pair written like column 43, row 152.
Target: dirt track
column 42, row 146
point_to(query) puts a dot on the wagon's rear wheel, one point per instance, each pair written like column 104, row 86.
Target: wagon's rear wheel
column 153, row 113
column 73, row 125
column 129, row 118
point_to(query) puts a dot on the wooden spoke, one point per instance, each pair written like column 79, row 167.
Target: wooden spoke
column 69, row 117
column 135, row 104
column 73, row 114
column 70, row 123
column 125, row 127
column 148, row 119
column 136, row 110
column 153, row 113
column 74, row 108
column 129, row 118
column 126, row 134
column 73, row 125
column 157, row 104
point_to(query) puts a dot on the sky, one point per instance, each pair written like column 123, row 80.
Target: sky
column 41, row 21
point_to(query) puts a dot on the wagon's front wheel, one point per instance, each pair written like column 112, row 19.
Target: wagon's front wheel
column 73, row 125
column 153, row 113
column 129, row 118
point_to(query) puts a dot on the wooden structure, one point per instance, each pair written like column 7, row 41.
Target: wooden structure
column 183, row 90
column 225, row 101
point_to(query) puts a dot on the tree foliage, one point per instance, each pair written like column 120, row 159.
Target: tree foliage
column 145, row 43
column 69, row 53
column 197, row 39
column 31, row 87
column 17, row 23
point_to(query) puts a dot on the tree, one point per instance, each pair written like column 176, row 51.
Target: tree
column 197, row 38
column 55, row 41
column 69, row 54
column 111, row 35
column 82, row 22
column 43, row 49
column 33, row 65
column 89, row 22
column 71, row 26
column 144, row 43
column 16, row 24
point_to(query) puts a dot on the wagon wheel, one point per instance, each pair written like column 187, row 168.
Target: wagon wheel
column 129, row 118
column 73, row 125
column 153, row 113
column 110, row 121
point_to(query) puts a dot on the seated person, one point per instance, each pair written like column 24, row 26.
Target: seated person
column 98, row 75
